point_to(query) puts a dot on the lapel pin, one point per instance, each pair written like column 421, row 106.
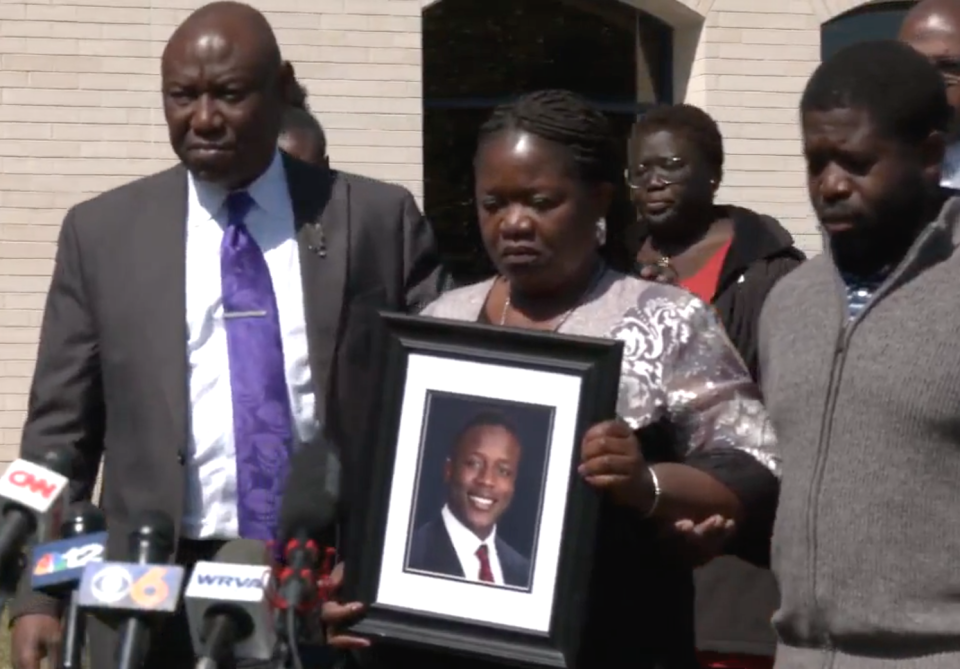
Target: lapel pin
column 318, row 241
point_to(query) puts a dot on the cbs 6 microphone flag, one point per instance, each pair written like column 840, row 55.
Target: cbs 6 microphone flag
column 138, row 591
column 33, row 499
column 228, row 606
column 125, row 587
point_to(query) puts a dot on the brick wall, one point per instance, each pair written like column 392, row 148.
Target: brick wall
column 80, row 113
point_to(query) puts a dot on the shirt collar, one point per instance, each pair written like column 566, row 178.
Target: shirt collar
column 950, row 171
column 268, row 191
column 874, row 279
column 465, row 542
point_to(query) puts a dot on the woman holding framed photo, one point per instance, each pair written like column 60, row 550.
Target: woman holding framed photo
column 692, row 443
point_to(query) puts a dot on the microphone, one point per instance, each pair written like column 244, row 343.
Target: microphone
column 57, row 568
column 134, row 591
column 308, row 516
column 33, row 499
column 228, row 605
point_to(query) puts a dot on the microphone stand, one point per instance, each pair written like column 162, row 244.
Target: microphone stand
column 74, row 631
column 134, row 635
column 286, row 646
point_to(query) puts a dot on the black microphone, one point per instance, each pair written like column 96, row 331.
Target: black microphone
column 58, row 568
column 33, row 498
column 308, row 518
column 151, row 543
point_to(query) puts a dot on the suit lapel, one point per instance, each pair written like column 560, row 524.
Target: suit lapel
column 161, row 267
column 446, row 554
column 322, row 217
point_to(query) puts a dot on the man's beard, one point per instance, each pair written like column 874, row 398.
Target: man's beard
column 883, row 240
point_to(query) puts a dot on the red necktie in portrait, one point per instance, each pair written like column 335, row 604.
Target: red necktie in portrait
column 483, row 554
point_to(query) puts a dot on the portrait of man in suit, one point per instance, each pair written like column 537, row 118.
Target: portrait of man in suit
column 480, row 476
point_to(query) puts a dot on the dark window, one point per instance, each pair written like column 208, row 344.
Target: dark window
column 862, row 24
column 477, row 55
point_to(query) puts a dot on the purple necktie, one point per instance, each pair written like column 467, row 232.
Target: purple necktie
column 262, row 419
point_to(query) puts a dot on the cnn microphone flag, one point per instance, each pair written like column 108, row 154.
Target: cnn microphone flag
column 38, row 489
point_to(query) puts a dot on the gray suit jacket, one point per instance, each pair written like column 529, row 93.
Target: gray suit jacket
column 111, row 374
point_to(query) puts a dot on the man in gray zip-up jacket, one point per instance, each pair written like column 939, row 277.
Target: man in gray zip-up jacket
column 860, row 364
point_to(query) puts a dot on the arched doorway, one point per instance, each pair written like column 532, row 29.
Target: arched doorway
column 868, row 22
column 477, row 55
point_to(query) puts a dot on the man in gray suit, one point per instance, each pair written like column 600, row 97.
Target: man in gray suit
column 204, row 321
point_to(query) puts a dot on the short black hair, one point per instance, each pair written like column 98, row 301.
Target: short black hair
column 694, row 124
column 568, row 119
column 297, row 118
column 900, row 89
column 485, row 418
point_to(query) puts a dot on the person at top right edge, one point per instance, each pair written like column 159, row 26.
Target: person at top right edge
column 932, row 27
column 729, row 257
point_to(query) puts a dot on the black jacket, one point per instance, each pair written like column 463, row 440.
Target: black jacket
column 762, row 252
column 734, row 598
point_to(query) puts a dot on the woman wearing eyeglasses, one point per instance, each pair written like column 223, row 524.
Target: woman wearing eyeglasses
column 730, row 257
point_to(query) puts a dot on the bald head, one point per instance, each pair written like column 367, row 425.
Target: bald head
column 227, row 21
column 930, row 18
column 932, row 27
column 224, row 89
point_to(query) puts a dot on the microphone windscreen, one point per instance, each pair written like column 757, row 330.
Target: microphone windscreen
column 59, row 459
column 156, row 525
column 83, row 518
column 243, row 551
column 152, row 538
column 312, row 492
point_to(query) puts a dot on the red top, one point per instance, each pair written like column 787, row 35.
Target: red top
column 703, row 284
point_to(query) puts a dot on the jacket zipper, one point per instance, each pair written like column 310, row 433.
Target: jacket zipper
column 823, row 445
column 908, row 265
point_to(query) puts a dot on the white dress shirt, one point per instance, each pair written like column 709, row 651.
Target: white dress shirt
column 950, row 172
column 466, row 544
column 210, row 509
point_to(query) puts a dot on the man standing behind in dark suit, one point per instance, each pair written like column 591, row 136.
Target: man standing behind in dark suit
column 462, row 541
column 205, row 321
column 301, row 135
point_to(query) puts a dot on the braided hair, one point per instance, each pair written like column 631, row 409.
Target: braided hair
column 565, row 118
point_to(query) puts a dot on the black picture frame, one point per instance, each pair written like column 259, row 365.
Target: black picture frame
column 597, row 362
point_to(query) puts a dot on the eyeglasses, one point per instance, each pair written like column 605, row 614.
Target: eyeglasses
column 667, row 171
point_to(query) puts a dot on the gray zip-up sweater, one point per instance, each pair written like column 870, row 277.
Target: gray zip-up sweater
column 867, row 542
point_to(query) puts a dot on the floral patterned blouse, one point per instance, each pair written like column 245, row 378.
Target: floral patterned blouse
column 678, row 363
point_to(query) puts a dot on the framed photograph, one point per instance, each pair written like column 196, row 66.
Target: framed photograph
column 478, row 533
